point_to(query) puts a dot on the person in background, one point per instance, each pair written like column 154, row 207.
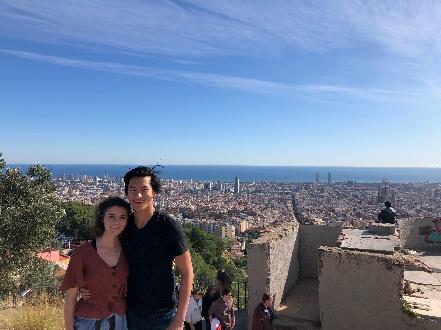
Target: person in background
column 193, row 318
column 223, row 280
column 210, row 296
column 223, row 310
column 101, row 267
column 263, row 315
column 387, row 215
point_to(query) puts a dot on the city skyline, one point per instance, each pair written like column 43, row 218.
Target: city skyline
column 229, row 83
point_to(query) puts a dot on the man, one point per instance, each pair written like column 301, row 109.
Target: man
column 222, row 309
column 152, row 241
column 387, row 215
column 193, row 318
column 263, row 315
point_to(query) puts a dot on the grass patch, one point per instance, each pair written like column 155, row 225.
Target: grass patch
column 39, row 314
column 407, row 309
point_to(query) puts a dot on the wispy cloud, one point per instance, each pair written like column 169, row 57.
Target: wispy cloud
column 230, row 27
column 221, row 81
column 188, row 32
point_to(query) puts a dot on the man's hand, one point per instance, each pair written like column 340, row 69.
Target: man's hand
column 192, row 326
column 84, row 294
column 176, row 325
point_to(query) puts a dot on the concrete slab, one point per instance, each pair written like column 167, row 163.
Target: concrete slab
column 424, row 306
column 363, row 240
column 432, row 259
column 382, row 229
column 426, row 296
column 422, row 278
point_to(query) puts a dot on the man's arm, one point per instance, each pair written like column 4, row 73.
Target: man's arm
column 185, row 267
column 257, row 320
column 70, row 299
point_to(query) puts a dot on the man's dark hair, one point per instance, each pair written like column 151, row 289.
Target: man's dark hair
column 142, row 171
column 387, row 204
column 266, row 296
column 226, row 292
column 100, row 211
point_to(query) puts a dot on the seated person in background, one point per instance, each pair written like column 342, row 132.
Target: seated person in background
column 101, row 267
column 193, row 318
column 222, row 309
column 387, row 215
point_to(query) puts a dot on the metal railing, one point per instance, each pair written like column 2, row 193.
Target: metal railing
column 240, row 294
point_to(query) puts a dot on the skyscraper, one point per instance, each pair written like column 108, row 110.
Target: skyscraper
column 317, row 177
column 329, row 178
column 236, row 185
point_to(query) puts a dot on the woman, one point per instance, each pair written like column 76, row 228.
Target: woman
column 101, row 267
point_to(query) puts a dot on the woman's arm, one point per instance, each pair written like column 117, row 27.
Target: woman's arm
column 70, row 300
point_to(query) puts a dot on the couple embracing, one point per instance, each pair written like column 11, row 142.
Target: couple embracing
column 125, row 275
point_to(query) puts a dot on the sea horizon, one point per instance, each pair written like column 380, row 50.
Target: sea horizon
column 253, row 173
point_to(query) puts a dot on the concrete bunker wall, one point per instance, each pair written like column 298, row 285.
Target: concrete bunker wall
column 273, row 265
column 413, row 231
column 360, row 290
column 311, row 238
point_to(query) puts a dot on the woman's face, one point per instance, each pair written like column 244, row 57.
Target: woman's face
column 115, row 220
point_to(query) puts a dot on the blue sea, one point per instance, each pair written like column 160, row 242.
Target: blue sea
column 227, row 173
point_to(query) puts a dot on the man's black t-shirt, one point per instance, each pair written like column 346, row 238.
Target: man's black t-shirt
column 150, row 252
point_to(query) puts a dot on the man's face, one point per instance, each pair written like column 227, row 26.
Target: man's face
column 140, row 193
column 268, row 302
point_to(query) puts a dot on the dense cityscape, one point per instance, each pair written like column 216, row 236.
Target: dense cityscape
column 230, row 208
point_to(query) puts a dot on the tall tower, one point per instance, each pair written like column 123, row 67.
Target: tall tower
column 236, row 185
column 329, row 178
column 317, row 177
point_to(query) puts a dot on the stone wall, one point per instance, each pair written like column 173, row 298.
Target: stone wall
column 413, row 231
column 360, row 290
column 273, row 265
column 311, row 238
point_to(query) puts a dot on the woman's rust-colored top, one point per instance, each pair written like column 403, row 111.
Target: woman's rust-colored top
column 107, row 285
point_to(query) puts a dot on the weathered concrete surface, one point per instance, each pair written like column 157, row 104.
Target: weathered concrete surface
column 359, row 290
column 432, row 258
column 290, row 323
column 413, row 231
column 423, row 293
column 363, row 240
column 311, row 238
column 273, row 265
column 382, row 229
column 362, row 290
column 302, row 302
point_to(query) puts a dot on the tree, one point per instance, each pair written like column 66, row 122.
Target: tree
column 207, row 255
column 29, row 211
column 77, row 221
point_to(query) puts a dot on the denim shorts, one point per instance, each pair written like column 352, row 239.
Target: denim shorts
column 90, row 324
column 158, row 320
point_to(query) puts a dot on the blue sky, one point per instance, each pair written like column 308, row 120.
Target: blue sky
column 341, row 83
